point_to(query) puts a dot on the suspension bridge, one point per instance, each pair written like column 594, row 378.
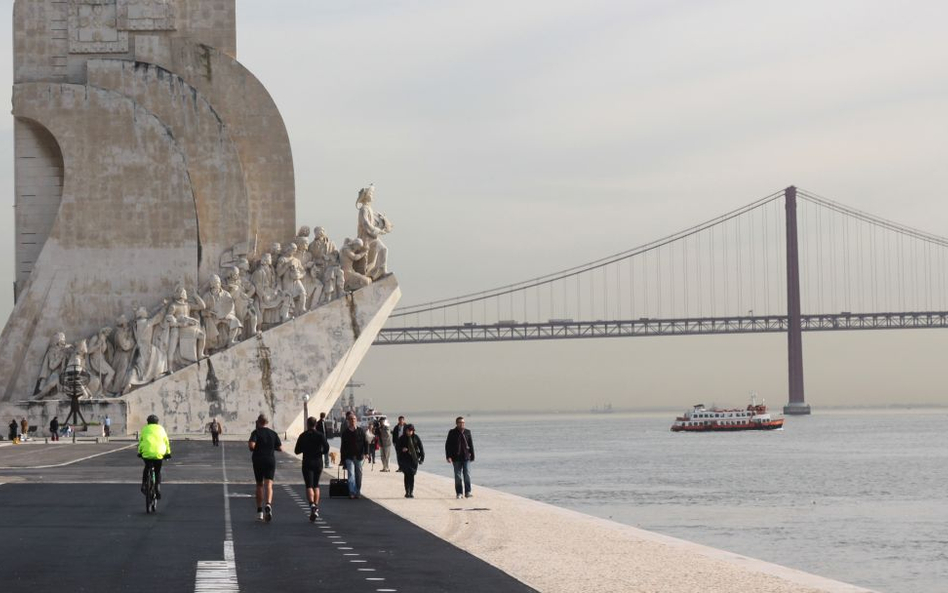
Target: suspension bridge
column 792, row 261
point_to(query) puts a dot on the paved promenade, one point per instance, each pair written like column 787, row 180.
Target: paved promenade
column 560, row 551
column 73, row 513
column 82, row 527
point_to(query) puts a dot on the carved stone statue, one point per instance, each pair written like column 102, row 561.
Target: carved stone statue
column 220, row 321
column 290, row 273
column 187, row 341
column 244, row 306
column 164, row 350
column 372, row 225
column 148, row 360
column 351, row 253
column 57, row 355
column 273, row 307
column 123, row 347
column 303, row 234
column 319, row 251
column 334, row 279
column 99, row 368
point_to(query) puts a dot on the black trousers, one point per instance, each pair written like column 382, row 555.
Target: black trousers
column 156, row 463
column 215, row 437
column 409, row 474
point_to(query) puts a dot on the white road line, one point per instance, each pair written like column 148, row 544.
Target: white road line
column 220, row 576
column 74, row 460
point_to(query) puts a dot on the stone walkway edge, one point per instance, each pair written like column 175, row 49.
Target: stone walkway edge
column 558, row 550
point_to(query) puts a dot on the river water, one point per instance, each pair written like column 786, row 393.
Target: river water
column 855, row 495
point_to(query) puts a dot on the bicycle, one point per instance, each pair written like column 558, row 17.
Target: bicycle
column 150, row 485
column 150, row 488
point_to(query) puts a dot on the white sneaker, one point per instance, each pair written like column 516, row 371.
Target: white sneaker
column 460, row 496
column 268, row 513
column 260, row 516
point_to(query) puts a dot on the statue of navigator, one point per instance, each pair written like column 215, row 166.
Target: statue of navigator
column 372, row 225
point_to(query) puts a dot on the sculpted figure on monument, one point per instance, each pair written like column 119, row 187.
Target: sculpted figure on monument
column 220, row 320
column 188, row 343
column 303, row 234
column 306, row 262
column 334, row 279
column 99, row 368
column 123, row 346
column 352, row 253
column 166, row 331
column 322, row 250
column 270, row 302
column 290, row 272
column 244, row 306
column 148, row 361
column 54, row 363
column 372, row 225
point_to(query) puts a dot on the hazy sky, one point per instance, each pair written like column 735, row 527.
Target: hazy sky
column 511, row 139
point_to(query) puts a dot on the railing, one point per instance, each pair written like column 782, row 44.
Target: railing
column 560, row 329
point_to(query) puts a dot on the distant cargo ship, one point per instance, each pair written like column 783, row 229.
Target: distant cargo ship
column 701, row 419
column 603, row 409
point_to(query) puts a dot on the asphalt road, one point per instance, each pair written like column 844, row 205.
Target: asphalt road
column 83, row 527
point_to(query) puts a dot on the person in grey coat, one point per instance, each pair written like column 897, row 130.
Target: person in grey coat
column 385, row 442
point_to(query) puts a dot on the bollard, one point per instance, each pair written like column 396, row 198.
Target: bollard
column 74, row 437
column 96, row 440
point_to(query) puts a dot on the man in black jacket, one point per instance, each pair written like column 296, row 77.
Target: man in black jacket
column 352, row 450
column 397, row 433
column 459, row 450
column 313, row 445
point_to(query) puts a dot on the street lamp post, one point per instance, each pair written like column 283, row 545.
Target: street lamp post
column 305, row 408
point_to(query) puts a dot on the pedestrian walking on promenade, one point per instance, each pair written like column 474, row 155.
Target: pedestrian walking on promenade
column 397, row 433
column 352, row 451
column 313, row 445
column 12, row 433
column 385, row 442
column 215, row 428
column 108, row 426
column 370, row 443
column 321, row 427
column 459, row 450
column 411, row 454
column 54, row 428
column 24, row 428
column 263, row 443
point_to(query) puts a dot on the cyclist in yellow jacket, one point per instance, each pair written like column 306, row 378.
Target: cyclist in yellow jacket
column 153, row 448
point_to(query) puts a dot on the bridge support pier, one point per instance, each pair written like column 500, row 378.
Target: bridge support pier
column 797, row 405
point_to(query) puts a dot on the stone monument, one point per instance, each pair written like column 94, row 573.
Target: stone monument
column 150, row 165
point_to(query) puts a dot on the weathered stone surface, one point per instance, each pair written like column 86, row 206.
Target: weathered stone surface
column 125, row 233
column 316, row 353
column 255, row 126
column 122, row 195
column 214, row 168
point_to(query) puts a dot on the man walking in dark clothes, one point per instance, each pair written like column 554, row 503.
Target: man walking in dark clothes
column 263, row 443
column 313, row 445
column 397, row 433
column 459, row 450
column 352, row 450
column 321, row 427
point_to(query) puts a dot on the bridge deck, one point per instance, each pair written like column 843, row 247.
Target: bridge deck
column 562, row 329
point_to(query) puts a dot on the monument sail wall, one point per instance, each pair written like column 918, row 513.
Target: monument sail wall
column 144, row 151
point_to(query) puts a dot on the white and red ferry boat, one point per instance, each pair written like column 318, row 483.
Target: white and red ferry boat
column 701, row 419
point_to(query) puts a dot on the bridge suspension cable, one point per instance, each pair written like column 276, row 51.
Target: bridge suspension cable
column 733, row 265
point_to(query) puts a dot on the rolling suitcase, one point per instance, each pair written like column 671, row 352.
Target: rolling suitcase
column 338, row 487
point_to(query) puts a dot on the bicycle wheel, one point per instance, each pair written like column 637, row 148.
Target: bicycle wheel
column 151, row 503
